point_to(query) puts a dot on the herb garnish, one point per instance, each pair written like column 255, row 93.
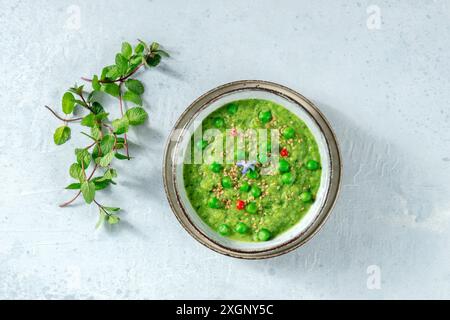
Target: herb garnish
column 109, row 138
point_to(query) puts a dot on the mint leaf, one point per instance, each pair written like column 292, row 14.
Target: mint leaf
column 119, row 145
column 78, row 90
column 83, row 157
column 113, row 209
column 100, row 184
column 127, row 50
column 105, row 71
column 135, row 61
column 97, row 107
column 121, row 156
column 121, row 63
column 96, row 132
column 135, row 86
column 113, row 73
column 113, row 219
column 132, row 97
column 106, row 159
column 139, row 48
column 74, row 186
column 120, row 125
column 61, row 135
column 88, row 191
column 107, row 143
column 136, row 116
column 68, row 103
column 76, row 172
column 95, row 83
column 112, row 89
column 154, row 61
column 91, row 97
column 89, row 120
column 109, row 175
column 154, row 46
column 101, row 116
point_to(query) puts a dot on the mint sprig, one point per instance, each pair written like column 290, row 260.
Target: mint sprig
column 109, row 139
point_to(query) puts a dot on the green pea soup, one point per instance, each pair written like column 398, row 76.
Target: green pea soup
column 277, row 189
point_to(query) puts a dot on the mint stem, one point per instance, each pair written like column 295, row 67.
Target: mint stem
column 61, row 118
column 121, row 79
column 121, row 112
column 65, row 204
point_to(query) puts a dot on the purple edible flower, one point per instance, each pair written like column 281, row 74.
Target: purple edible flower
column 246, row 165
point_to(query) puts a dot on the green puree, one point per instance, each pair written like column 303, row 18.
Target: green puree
column 266, row 201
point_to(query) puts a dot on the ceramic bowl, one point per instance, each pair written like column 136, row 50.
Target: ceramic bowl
column 176, row 148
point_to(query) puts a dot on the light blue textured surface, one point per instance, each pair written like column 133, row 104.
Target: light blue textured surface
column 385, row 90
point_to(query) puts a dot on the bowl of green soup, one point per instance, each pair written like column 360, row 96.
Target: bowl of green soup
column 252, row 169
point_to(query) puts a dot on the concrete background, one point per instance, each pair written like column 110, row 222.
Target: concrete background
column 377, row 69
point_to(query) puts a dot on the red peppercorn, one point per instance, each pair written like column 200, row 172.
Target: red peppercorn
column 284, row 153
column 240, row 205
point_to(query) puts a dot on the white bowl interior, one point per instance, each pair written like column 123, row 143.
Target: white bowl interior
column 313, row 212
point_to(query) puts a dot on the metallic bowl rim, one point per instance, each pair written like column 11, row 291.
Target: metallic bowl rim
column 335, row 168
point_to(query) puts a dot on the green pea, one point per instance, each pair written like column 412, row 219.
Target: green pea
column 227, row 183
column 241, row 228
column 219, row 122
column 283, row 166
column 288, row 133
column 232, row 108
column 224, row 230
column 215, row 167
column 306, row 196
column 214, row 203
column 251, row 207
column 202, row 144
column 264, row 234
column 312, row 165
column 245, row 187
column 253, row 174
column 256, row 191
column 265, row 116
column 287, row 178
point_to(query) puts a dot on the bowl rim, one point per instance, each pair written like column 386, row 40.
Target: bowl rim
column 169, row 167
